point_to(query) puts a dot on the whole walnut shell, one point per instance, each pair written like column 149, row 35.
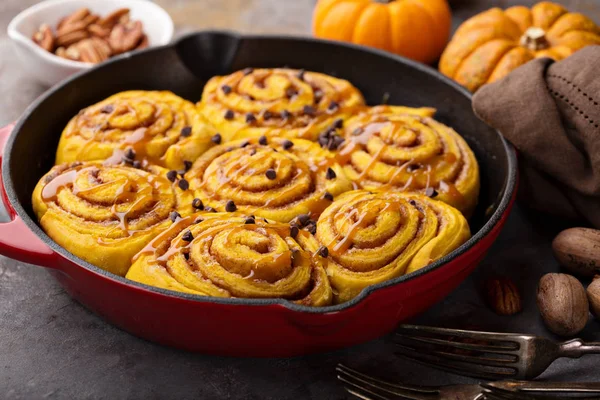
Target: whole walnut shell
column 593, row 292
column 578, row 250
column 503, row 296
column 563, row 304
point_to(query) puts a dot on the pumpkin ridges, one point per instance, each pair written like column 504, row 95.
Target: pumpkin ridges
column 406, row 16
column 571, row 22
column 521, row 16
column 511, row 60
column 339, row 21
column 545, row 14
column 320, row 12
column 557, row 53
column 374, row 18
column 492, row 18
column 457, row 52
column 439, row 11
column 476, row 69
column 579, row 39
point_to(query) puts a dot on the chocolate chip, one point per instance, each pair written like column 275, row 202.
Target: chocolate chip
column 244, row 144
column 338, row 124
column 330, row 174
column 230, row 206
column 309, row 110
column 248, row 71
column 197, row 204
column 252, row 152
column 266, row 220
column 328, row 196
column 226, row 89
column 186, row 131
column 183, row 184
column 229, row 115
column 294, row 231
column 137, row 164
column 311, row 226
column 267, row 115
column 287, row 144
column 186, row 255
column 172, row 175
column 216, row 139
column 285, row 114
column 271, row 174
column 187, row 236
column 318, row 96
column 301, row 74
column 303, row 219
column 210, row 209
column 262, row 140
column 290, row 92
column 412, row 167
column 107, row 109
column 250, row 118
column 412, row 202
column 198, row 220
column 249, row 221
column 323, row 251
column 431, row 192
column 357, row 131
column 334, row 105
column 187, row 165
column 181, row 172
column 174, row 215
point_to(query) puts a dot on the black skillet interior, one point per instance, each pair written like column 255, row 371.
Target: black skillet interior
column 185, row 66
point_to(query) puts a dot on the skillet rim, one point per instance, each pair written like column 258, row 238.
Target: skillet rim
column 508, row 190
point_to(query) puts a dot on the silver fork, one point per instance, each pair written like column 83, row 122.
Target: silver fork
column 486, row 355
column 369, row 388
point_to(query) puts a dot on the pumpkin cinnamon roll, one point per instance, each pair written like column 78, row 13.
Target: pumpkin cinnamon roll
column 275, row 178
column 372, row 237
column 161, row 127
column 106, row 214
column 229, row 255
column 276, row 102
column 409, row 151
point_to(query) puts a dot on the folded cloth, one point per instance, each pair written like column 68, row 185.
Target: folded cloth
column 550, row 111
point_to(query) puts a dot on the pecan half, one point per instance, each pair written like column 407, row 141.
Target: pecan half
column 118, row 16
column 503, row 296
column 70, row 38
column 125, row 37
column 72, row 53
column 98, row 31
column 78, row 15
column 144, row 43
column 44, row 38
column 94, row 50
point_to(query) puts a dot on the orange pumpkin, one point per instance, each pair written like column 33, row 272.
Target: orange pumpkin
column 418, row 29
column 488, row 46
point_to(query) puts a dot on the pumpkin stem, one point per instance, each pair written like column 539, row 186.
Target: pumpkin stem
column 534, row 39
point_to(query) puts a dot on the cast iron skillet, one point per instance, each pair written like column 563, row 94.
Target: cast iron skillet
column 272, row 327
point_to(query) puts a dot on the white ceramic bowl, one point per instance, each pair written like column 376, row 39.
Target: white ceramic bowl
column 50, row 69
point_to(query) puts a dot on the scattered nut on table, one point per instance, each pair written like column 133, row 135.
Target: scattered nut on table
column 593, row 293
column 563, row 304
column 502, row 295
column 87, row 37
column 578, row 250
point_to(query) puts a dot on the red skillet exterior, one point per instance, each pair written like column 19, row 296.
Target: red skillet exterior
column 240, row 330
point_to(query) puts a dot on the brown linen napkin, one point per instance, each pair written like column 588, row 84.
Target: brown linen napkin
column 550, row 111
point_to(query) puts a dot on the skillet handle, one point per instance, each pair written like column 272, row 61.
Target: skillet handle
column 16, row 239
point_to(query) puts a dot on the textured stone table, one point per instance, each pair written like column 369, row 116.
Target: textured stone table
column 53, row 348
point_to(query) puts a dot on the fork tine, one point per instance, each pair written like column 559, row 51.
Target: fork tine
column 358, row 392
column 458, row 345
column 465, row 358
column 375, row 386
column 495, row 393
column 497, row 338
column 403, row 386
column 455, row 367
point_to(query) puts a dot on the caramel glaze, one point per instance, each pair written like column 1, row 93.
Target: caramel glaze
column 170, row 243
column 139, row 190
column 240, row 170
column 137, row 139
column 421, row 178
column 305, row 89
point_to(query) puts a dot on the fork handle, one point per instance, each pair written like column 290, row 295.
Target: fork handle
column 576, row 348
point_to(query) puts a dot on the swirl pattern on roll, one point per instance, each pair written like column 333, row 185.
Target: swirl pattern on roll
column 400, row 148
column 279, row 179
column 223, row 255
column 276, row 102
column 373, row 237
column 106, row 214
column 159, row 126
